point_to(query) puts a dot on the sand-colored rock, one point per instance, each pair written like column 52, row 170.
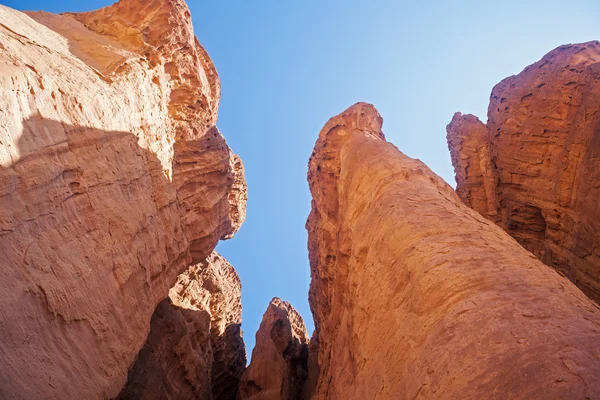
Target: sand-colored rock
column 534, row 168
column 415, row 295
column 195, row 348
column 278, row 369
column 113, row 180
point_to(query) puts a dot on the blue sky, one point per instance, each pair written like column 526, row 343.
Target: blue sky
column 288, row 66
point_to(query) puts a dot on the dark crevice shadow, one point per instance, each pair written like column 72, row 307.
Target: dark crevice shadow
column 183, row 359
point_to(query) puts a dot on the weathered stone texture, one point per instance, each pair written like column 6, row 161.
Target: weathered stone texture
column 534, row 168
column 113, row 180
column 416, row 295
column 195, row 348
column 279, row 365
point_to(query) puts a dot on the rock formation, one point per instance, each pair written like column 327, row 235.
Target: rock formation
column 116, row 185
column 416, row 295
column 279, row 360
column 195, row 348
column 114, row 179
column 310, row 386
column 534, row 168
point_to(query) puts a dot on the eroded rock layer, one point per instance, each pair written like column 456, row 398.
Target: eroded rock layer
column 534, row 168
column 416, row 295
column 279, row 365
column 113, row 180
column 195, row 348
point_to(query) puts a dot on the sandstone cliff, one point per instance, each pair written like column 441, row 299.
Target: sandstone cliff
column 534, row 168
column 113, row 178
column 195, row 348
column 279, row 364
column 416, row 295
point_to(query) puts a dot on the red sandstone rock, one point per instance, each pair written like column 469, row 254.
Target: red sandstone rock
column 279, row 360
column 113, row 180
column 195, row 348
column 416, row 295
column 534, row 168
column 312, row 378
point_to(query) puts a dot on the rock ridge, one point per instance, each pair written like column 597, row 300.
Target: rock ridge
column 416, row 295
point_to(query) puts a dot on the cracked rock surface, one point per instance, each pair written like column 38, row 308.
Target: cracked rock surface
column 534, row 167
column 113, row 180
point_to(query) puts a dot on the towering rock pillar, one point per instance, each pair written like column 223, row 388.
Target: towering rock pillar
column 279, row 366
column 415, row 295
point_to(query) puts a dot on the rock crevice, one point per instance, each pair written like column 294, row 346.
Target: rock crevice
column 195, row 348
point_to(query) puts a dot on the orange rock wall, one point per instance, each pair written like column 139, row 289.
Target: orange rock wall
column 195, row 348
column 279, row 366
column 415, row 295
column 113, row 180
column 534, row 168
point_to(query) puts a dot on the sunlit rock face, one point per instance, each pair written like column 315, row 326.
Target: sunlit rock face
column 534, row 168
column 113, row 180
column 195, row 348
column 279, row 366
column 415, row 295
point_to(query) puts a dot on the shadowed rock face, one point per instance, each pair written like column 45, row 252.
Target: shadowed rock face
column 113, row 180
column 416, row 295
column 280, row 358
column 195, row 348
column 534, row 168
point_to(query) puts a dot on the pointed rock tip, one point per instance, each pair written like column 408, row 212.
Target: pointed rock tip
column 280, row 304
column 360, row 116
column 458, row 118
column 276, row 301
column 291, row 313
column 457, row 115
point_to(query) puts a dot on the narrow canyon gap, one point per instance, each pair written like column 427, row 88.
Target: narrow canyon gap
column 116, row 185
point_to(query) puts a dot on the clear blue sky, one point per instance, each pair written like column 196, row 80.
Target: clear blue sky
column 287, row 66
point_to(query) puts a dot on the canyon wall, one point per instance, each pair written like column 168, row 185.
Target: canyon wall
column 534, row 168
column 116, row 185
column 415, row 295
column 195, row 348
column 279, row 366
column 114, row 179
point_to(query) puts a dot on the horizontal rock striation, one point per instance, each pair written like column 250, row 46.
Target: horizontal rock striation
column 415, row 295
column 113, row 180
column 534, row 168
column 279, row 366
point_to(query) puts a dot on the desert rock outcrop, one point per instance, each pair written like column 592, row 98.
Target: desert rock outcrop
column 195, row 348
column 415, row 295
column 534, row 168
column 278, row 369
column 113, row 178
